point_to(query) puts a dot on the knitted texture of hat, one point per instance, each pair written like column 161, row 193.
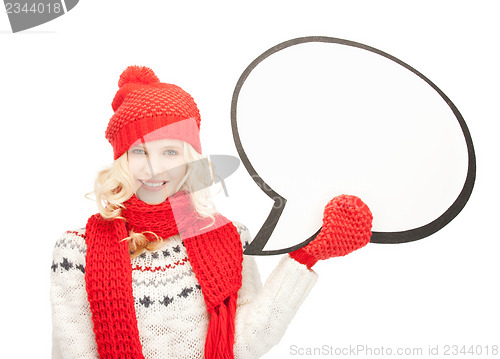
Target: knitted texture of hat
column 143, row 104
column 215, row 254
column 347, row 223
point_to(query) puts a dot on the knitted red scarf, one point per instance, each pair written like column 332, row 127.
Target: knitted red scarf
column 215, row 254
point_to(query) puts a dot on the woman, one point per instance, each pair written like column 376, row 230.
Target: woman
column 158, row 273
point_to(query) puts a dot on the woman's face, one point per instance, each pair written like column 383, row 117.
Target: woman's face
column 157, row 169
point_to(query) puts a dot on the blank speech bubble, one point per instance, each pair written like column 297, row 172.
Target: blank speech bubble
column 316, row 117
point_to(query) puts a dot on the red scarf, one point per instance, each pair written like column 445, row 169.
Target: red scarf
column 215, row 254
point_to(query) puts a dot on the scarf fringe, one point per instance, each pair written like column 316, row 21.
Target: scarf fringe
column 220, row 336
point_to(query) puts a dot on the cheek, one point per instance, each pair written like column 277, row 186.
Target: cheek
column 136, row 168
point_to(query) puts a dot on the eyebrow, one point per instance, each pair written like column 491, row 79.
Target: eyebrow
column 172, row 146
column 144, row 147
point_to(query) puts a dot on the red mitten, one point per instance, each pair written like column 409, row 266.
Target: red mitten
column 347, row 224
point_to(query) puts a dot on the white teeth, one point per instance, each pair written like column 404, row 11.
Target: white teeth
column 149, row 184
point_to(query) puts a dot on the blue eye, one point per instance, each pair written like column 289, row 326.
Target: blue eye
column 138, row 151
column 171, row 152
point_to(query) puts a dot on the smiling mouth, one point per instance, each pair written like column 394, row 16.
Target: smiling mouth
column 153, row 184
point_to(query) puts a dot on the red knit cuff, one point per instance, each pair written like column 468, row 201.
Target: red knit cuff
column 301, row 256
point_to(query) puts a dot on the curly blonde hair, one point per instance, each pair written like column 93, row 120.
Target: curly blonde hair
column 113, row 186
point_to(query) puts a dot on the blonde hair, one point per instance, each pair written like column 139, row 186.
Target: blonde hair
column 113, row 186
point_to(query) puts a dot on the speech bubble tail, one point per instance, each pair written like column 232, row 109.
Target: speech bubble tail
column 278, row 211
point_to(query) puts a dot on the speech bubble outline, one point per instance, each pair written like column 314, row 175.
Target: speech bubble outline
column 263, row 235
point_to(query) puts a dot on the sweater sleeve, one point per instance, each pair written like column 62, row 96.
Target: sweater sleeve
column 264, row 312
column 72, row 328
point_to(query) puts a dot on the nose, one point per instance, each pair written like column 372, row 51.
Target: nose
column 153, row 166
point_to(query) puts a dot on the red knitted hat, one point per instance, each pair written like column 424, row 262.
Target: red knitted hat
column 144, row 106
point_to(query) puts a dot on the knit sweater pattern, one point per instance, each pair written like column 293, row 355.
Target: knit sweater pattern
column 170, row 308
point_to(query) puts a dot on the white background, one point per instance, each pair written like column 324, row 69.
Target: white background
column 57, row 84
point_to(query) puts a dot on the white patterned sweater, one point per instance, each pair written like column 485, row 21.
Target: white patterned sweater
column 170, row 308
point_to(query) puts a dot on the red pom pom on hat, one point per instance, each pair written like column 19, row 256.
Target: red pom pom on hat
column 137, row 75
